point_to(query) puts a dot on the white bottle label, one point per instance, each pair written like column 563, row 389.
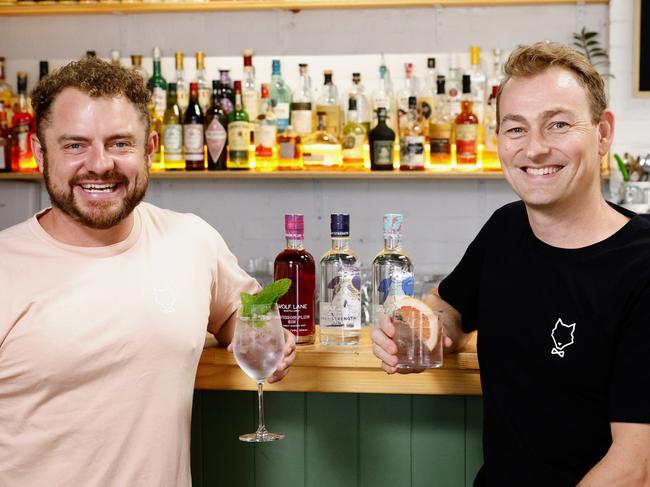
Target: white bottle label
column 412, row 151
column 215, row 138
column 281, row 111
column 491, row 138
column 251, row 104
column 193, row 141
column 183, row 98
column 159, row 98
column 205, row 98
column 301, row 121
column 3, row 160
column 173, row 142
column 343, row 312
column 265, row 135
column 238, row 136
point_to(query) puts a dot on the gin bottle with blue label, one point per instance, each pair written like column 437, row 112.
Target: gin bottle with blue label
column 340, row 288
column 392, row 269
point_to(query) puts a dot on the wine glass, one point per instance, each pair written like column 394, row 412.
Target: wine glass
column 258, row 345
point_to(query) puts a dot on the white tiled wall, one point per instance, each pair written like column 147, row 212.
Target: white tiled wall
column 441, row 217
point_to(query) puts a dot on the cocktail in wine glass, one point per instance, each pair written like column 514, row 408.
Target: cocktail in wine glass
column 258, row 346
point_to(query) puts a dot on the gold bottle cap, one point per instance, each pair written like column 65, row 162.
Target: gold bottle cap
column 475, row 54
column 136, row 59
column 200, row 59
column 179, row 60
column 247, row 52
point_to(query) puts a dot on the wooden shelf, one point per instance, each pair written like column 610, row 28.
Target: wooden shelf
column 307, row 175
column 243, row 5
column 345, row 369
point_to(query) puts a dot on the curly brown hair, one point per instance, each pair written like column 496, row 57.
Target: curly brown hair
column 97, row 79
column 534, row 59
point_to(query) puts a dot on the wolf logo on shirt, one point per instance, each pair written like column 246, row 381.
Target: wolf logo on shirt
column 562, row 337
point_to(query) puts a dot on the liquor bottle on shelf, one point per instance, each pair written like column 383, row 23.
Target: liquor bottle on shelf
column 440, row 128
column 453, row 85
column 6, row 92
column 201, row 78
column 43, row 69
column 497, row 68
column 157, row 161
column 301, row 106
column 216, row 132
column 411, row 139
column 172, row 132
column 466, row 127
column 490, row 155
column 136, row 65
column 157, row 86
column 281, row 94
column 193, row 132
column 238, row 134
column 382, row 97
column 392, row 269
column 298, row 306
column 226, row 93
column 340, row 288
column 116, row 57
column 328, row 103
column 364, row 107
column 405, row 93
column 250, row 93
column 289, row 150
column 23, row 125
column 265, row 134
column 321, row 149
column 182, row 88
column 354, row 137
column 6, row 139
column 381, row 140
column 427, row 95
column 478, row 79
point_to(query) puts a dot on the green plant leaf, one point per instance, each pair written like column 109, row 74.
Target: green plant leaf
column 262, row 302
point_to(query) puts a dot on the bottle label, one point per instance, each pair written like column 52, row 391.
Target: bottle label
column 426, row 108
column 353, row 142
column 22, row 137
column 491, row 138
column 287, row 150
column 332, row 118
column 383, row 151
column 454, row 102
column 251, row 104
column 183, row 98
column 440, row 136
column 193, row 141
column 301, row 121
column 3, row 160
column 281, row 111
column 466, row 139
column 412, row 151
column 173, row 142
column 238, row 136
column 226, row 104
column 215, row 138
column 205, row 98
column 159, row 99
column 344, row 310
column 399, row 283
column 265, row 140
column 296, row 317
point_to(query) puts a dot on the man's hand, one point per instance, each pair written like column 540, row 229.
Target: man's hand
column 287, row 359
column 385, row 348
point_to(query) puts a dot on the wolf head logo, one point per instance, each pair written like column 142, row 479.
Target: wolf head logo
column 562, row 337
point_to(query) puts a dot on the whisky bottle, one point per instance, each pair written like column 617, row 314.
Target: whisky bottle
column 411, row 139
column 301, row 106
column 490, row 156
column 238, row 134
column 172, row 132
column 23, row 125
column 364, row 108
column 466, row 127
column 354, row 137
column 440, row 128
column 426, row 97
column 182, row 88
column 381, row 140
column 321, row 149
column 328, row 103
column 404, row 94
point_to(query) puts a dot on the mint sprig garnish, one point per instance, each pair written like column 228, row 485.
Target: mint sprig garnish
column 261, row 303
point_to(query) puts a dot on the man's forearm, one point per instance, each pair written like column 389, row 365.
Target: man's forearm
column 615, row 471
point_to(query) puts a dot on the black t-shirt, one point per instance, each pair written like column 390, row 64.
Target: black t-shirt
column 563, row 345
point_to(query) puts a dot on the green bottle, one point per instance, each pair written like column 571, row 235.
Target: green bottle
column 238, row 134
column 157, row 86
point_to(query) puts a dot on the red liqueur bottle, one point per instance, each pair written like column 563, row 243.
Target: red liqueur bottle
column 298, row 305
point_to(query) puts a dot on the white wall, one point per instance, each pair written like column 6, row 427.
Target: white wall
column 441, row 216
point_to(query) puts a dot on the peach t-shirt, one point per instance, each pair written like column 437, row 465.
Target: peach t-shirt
column 99, row 349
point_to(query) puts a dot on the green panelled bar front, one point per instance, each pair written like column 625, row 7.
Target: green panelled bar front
column 337, row 440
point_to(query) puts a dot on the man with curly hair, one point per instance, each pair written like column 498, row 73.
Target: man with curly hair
column 105, row 299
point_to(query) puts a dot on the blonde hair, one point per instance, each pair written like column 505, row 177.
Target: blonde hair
column 533, row 59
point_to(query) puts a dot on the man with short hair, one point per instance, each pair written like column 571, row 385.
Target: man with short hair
column 558, row 286
column 105, row 299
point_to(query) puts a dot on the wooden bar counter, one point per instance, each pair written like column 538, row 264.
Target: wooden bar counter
column 350, row 369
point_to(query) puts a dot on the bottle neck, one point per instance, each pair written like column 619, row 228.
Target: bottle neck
column 340, row 243
column 295, row 244
column 353, row 116
column 238, row 103
column 22, row 102
column 156, row 67
column 392, row 242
